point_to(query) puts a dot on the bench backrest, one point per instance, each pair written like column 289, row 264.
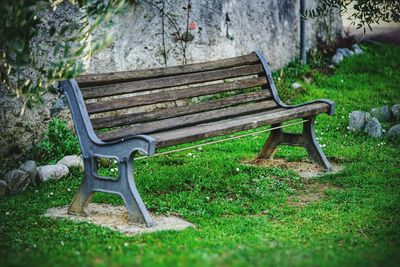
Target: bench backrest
column 154, row 100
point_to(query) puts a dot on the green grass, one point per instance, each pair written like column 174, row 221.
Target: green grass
column 243, row 217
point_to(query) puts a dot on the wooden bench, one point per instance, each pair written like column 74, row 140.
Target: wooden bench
column 117, row 114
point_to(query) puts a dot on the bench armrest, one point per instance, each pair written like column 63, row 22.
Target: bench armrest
column 126, row 146
column 275, row 94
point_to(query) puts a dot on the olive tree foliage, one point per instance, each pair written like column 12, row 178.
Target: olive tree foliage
column 363, row 12
column 23, row 71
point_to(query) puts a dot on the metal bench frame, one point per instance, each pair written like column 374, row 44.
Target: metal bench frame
column 123, row 150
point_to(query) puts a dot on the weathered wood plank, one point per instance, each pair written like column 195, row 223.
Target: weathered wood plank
column 170, row 81
column 188, row 120
column 140, row 100
column 231, row 125
column 126, row 76
column 126, row 119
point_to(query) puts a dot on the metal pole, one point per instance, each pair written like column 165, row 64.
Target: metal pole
column 303, row 48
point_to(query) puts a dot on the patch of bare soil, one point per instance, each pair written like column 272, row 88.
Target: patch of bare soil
column 116, row 218
column 312, row 192
column 305, row 169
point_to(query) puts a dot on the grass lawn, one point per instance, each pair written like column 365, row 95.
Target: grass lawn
column 242, row 213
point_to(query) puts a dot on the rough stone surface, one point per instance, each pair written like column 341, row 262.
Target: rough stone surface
column 224, row 28
column 116, row 218
column 357, row 121
column 373, row 128
column 337, row 58
column 394, row 134
column 30, row 168
column 396, row 112
column 17, row 181
column 3, row 188
column 52, row 172
column 381, row 113
column 19, row 131
column 72, row 161
column 357, row 50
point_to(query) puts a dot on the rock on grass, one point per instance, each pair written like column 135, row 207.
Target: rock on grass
column 393, row 134
column 30, row 168
column 72, row 162
column 381, row 113
column 373, row 128
column 17, row 181
column 3, row 188
column 396, row 112
column 52, row 172
column 337, row 58
column 357, row 122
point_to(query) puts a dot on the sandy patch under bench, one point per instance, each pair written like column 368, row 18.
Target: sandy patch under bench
column 305, row 169
column 116, row 218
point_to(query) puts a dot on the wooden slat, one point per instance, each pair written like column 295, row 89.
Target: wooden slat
column 125, row 76
column 140, row 100
column 126, row 119
column 171, row 81
column 236, row 124
column 188, row 120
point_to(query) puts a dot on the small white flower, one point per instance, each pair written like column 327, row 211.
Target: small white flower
column 51, row 193
column 7, row 213
column 199, row 148
column 194, row 156
column 383, row 130
column 237, row 169
column 348, row 128
column 207, row 198
column 189, row 154
column 34, row 245
column 69, row 189
column 112, row 170
column 126, row 244
column 342, row 117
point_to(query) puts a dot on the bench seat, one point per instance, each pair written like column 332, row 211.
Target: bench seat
column 165, row 138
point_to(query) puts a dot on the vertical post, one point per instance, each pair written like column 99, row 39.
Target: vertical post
column 303, row 48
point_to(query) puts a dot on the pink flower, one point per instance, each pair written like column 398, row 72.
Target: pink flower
column 192, row 25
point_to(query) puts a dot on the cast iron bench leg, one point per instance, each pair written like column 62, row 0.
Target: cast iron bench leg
column 124, row 186
column 136, row 209
column 84, row 194
column 307, row 139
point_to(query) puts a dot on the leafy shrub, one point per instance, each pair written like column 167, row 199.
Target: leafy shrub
column 57, row 142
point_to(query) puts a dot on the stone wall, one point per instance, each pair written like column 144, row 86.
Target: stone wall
column 223, row 28
column 219, row 29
